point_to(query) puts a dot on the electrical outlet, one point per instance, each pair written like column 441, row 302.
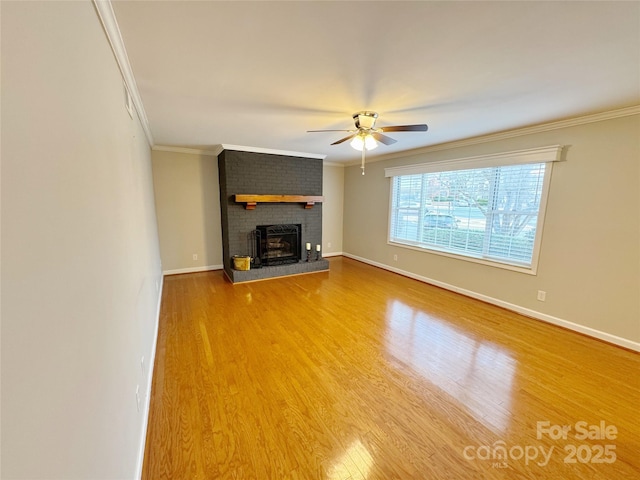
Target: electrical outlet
column 328, row 244
column 542, row 295
column 395, row 258
column 195, row 256
column 138, row 397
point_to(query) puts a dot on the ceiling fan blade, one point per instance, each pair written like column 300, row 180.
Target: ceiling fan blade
column 405, row 128
column 312, row 131
column 349, row 137
column 383, row 139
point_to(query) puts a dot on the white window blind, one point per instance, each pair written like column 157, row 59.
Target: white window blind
column 491, row 213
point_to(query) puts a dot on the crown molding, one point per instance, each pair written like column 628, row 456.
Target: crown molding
column 191, row 151
column 111, row 29
column 519, row 132
column 272, row 152
column 217, row 150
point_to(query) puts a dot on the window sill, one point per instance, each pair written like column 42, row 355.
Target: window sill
column 532, row 270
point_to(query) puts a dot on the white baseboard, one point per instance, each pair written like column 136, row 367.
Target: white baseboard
column 331, row 254
column 206, row 268
column 607, row 337
column 147, row 399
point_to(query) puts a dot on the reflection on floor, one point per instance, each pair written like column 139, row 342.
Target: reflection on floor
column 477, row 373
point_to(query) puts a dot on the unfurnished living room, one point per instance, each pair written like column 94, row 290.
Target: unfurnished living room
column 320, row 240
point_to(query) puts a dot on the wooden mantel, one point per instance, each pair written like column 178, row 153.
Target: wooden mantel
column 251, row 201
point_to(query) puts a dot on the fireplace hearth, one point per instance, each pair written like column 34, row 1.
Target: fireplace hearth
column 279, row 244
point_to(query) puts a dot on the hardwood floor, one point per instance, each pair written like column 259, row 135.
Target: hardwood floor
column 359, row 373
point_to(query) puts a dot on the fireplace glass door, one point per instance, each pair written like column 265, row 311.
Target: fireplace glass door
column 279, row 244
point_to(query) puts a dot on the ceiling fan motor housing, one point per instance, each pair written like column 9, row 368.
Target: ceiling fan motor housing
column 365, row 119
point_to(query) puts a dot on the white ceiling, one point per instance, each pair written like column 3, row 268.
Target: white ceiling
column 261, row 74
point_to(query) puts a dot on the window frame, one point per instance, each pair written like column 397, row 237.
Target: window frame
column 547, row 155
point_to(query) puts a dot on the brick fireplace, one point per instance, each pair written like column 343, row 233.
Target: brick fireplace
column 288, row 192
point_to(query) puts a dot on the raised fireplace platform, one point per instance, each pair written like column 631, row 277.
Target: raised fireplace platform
column 239, row 276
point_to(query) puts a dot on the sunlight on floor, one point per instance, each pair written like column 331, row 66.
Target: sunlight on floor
column 478, row 374
column 354, row 464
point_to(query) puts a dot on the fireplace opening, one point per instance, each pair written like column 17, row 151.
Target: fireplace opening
column 279, row 244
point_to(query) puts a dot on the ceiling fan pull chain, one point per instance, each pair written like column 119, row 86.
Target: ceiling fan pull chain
column 362, row 166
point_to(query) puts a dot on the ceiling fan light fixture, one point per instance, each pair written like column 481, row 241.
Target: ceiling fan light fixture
column 363, row 141
column 357, row 143
column 366, row 136
column 370, row 142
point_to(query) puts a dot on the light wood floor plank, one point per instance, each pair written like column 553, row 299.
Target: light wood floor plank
column 358, row 373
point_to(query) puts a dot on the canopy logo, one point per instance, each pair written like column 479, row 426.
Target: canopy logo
column 499, row 454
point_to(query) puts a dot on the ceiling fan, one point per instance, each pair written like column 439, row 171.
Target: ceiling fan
column 366, row 136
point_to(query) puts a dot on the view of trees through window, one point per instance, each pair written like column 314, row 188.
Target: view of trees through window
column 490, row 213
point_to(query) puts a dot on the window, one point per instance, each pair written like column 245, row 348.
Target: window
column 488, row 209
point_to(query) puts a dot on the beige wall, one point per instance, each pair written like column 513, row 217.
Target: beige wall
column 589, row 259
column 332, row 208
column 80, row 257
column 187, row 197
